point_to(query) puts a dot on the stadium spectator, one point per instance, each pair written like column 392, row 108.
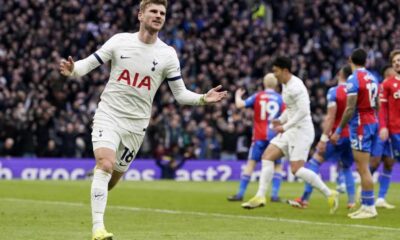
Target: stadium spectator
column 216, row 41
column 171, row 160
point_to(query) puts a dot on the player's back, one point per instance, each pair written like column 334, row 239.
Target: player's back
column 365, row 85
column 338, row 95
column 267, row 105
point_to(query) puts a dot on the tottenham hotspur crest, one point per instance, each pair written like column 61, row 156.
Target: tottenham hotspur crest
column 154, row 65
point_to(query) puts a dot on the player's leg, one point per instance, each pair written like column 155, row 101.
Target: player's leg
column 276, row 181
column 271, row 154
column 300, row 147
column 105, row 159
column 391, row 153
column 313, row 164
column 384, row 183
column 346, row 162
column 340, row 179
column 256, row 150
column 362, row 146
column 115, row 177
column 244, row 181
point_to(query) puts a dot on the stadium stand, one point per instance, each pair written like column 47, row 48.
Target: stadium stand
column 218, row 41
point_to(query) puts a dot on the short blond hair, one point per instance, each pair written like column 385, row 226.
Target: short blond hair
column 393, row 54
column 145, row 3
column 270, row 81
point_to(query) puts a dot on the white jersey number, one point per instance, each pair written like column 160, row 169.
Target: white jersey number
column 373, row 93
column 269, row 107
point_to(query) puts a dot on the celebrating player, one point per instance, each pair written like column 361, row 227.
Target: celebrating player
column 294, row 141
column 361, row 107
column 267, row 105
column 327, row 151
column 139, row 63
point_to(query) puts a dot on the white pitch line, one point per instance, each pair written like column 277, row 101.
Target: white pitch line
column 205, row 214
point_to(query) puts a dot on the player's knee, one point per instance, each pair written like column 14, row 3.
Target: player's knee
column 105, row 164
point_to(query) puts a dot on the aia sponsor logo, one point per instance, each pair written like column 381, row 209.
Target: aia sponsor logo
column 135, row 80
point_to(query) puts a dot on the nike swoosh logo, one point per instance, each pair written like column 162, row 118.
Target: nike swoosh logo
column 124, row 57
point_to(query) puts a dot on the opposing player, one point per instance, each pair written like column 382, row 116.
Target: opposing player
column 361, row 113
column 294, row 141
column 325, row 150
column 140, row 62
column 267, row 105
column 389, row 122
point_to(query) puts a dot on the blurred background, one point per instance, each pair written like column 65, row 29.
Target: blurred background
column 228, row 42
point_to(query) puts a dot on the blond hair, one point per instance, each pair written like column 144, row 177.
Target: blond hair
column 270, row 81
column 145, row 3
column 393, row 54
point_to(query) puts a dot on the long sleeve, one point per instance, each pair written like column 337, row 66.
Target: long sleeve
column 182, row 95
column 82, row 67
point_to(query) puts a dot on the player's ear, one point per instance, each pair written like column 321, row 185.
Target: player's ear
column 140, row 16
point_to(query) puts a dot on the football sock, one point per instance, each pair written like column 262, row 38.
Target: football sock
column 244, row 181
column 350, row 185
column 267, row 172
column 276, row 184
column 340, row 179
column 367, row 198
column 99, row 192
column 312, row 178
column 384, row 182
column 313, row 165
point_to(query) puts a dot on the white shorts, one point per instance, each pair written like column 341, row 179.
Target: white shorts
column 126, row 144
column 296, row 142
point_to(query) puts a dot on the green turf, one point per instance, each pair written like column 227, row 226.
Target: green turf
column 45, row 210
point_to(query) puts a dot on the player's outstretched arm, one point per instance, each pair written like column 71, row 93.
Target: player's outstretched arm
column 184, row 96
column 79, row 68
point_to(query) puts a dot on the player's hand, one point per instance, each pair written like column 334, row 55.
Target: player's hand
column 66, row 66
column 239, row 93
column 335, row 138
column 384, row 134
column 279, row 129
column 213, row 95
column 276, row 123
column 321, row 147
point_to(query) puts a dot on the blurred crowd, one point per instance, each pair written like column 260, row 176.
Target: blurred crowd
column 228, row 42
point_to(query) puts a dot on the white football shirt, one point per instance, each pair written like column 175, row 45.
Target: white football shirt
column 297, row 100
column 137, row 71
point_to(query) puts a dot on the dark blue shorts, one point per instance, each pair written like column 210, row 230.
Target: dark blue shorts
column 257, row 149
column 340, row 152
column 364, row 138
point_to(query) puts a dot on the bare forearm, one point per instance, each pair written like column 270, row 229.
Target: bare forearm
column 328, row 125
column 239, row 102
column 348, row 113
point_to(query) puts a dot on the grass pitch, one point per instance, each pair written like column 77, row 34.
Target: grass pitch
column 48, row 210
